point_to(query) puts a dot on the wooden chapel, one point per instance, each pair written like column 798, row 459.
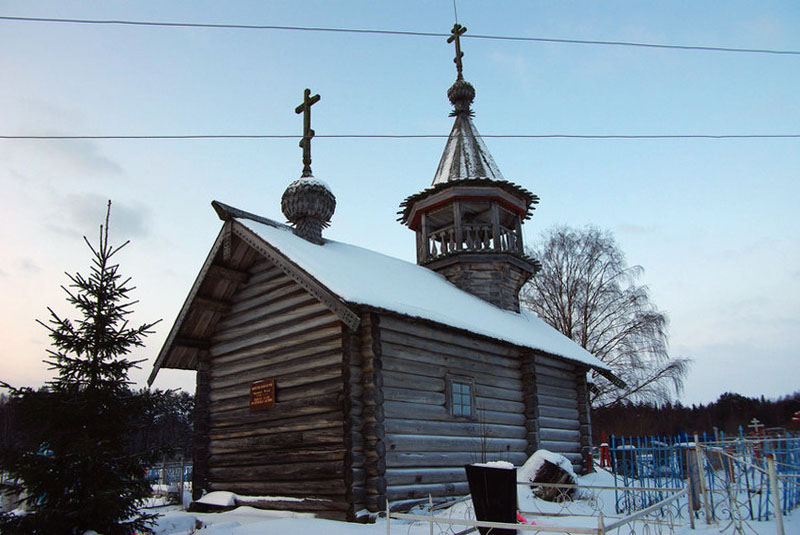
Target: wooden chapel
column 331, row 378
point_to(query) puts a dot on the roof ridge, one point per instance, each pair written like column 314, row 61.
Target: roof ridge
column 227, row 212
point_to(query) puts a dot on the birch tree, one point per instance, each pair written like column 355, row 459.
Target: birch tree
column 587, row 291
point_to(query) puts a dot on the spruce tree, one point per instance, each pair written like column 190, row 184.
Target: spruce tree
column 71, row 455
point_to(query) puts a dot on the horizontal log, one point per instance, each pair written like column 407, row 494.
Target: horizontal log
column 403, row 325
column 557, row 446
column 546, row 380
column 262, row 293
column 286, row 425
column 398, row 409
column 276, row 458
column 555, row 412
column 499, row 405
column 307, row 378
column 565, row 393
column 260, row 309
column 544, row 360
column 292, row 341
column 401, row 379
column 321, row 408
column 555, row 372
column 329, row 509
column 424, row 476
column 308, row 471
column 552, row 401
column 291, row 370
column 510, row 394
column 414, row 426
column 277, row 334
column 430, row 443
column 417, row 396
column 286, row 312
column 285, row 393
column 558, row 423
column 411, row 348
column 395, row 459
column 330, row 439
column 411, row 492
column 330, row 488
column 415, row 372
column 561, row 435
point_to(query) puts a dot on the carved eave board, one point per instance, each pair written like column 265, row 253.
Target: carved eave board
column 224, row 271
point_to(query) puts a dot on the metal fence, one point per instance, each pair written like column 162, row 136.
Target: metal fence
column 729, row 476
column 170, row 480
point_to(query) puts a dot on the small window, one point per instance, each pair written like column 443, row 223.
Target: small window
column 461, row 397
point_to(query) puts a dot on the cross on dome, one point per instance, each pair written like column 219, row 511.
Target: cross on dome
column 457, row 31
column 308, row 133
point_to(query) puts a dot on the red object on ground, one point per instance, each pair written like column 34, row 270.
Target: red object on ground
column 605, row 456
column 524, row 520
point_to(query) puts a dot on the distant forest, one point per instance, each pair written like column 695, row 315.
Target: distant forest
column 726, row 414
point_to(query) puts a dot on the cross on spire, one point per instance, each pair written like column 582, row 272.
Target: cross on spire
column 457, row 31
column 308, row 133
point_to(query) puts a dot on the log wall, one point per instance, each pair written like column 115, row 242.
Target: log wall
column 558, row 410
column 275, row 329
column 425, row 447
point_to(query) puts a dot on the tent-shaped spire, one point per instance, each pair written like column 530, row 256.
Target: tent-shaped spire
column 469, row 221
column 465, row 155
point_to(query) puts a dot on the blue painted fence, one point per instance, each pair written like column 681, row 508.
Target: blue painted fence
column 734, row 471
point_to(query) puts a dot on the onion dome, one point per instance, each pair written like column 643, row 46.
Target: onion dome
column 308, row 204
column 461, row 94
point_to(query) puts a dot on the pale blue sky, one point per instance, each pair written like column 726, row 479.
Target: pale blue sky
column 712, row 222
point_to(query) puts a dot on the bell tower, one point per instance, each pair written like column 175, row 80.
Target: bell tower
column 468, row 223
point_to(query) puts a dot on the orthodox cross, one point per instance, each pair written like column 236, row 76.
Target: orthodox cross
column 308, row 133
column 457, row 31
column 756, row 426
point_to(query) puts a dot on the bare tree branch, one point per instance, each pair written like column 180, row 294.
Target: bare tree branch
column 587, row 291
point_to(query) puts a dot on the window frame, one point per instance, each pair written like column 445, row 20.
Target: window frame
column 451, row 401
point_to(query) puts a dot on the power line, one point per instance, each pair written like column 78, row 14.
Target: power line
column 397, row 136
column 398, row 33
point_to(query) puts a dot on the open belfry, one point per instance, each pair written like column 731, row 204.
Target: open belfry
column 334, row 379
column 469, row 222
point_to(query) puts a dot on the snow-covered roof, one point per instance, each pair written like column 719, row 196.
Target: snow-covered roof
column 365, row 277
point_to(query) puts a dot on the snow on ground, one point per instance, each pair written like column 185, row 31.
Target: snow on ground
column 250, row 521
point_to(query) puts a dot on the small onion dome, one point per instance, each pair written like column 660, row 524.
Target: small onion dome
column 461, row 95
column 308, row 204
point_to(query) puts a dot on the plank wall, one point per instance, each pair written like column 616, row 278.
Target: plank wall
column 426, row 448
column 275, row 329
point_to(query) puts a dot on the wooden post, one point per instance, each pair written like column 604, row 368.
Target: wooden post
column 776, row 499
column 180, row 484
column 701, row 477
column 457, row 224
column 388, row 518
column 201, row 426
column 601, row 526
column 496, row 226
column 426, row 246
column 430, row 508
column 163, row 482
column 690, row 505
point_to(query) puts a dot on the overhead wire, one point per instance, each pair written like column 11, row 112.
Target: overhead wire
column 399, row 33
column 395, row 136
column 208, row 25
